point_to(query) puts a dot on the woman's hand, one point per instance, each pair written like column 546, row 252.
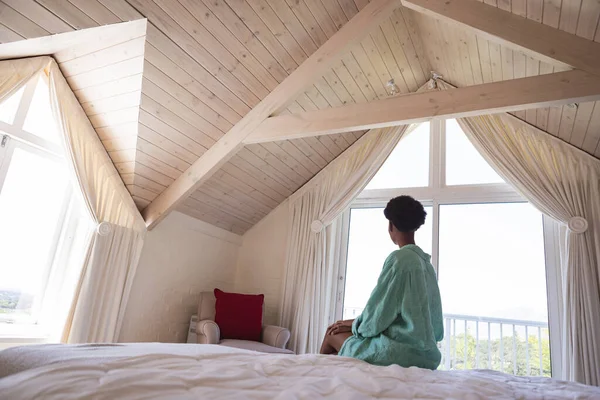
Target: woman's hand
column 330, row 328
column 340, row 327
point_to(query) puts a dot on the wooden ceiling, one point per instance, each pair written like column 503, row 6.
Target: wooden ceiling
column 254, row 46
column 465, row 59
column 207, row 63
column 104, row 68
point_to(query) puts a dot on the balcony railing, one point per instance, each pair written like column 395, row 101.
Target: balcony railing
column 513, row 346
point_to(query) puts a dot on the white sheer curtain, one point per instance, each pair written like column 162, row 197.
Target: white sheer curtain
column 311, row 276
column 112, row 258
column 563, row 182
column 115, row 245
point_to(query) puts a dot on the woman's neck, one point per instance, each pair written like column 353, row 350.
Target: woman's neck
column 405, row 238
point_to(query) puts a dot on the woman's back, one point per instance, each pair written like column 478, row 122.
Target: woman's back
column 402, row 321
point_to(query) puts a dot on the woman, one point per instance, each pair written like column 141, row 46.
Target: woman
column 402, row 321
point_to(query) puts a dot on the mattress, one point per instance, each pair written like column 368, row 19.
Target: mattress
column 189, row 371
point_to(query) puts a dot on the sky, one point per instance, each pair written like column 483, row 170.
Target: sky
column 40, row 120
column 491, row 260
column 30, row 203
column 31, row 198
column 407, row 156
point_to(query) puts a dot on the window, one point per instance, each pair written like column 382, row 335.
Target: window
column 487, row 245
column 500, row 239
column 40, row 120
column 494, row 254
column 411, row 156
column 39, row 216
column 464, row 165
column 9, row 107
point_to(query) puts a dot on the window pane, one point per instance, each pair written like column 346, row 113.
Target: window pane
column 9, row 107
column 368, row 247
column 491, row 266
column 464, row 164
column 40, row 120
column 31, row 201
column 408, row 165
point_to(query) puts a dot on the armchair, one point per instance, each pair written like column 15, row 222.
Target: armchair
column 273, row 338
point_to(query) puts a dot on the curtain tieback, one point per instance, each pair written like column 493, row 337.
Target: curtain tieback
column 577, row 224
column 104, row 229
column 316, row 226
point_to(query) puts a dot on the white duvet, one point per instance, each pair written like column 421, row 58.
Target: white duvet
column 158, row 371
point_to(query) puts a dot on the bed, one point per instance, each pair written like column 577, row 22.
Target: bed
column 188, row 371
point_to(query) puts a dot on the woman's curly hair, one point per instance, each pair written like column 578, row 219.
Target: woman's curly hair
column 405, row 213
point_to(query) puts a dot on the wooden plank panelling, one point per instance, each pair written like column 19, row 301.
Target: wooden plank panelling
column 161, row 97
column 105, row 74
column 570, row 123
column 279, row 98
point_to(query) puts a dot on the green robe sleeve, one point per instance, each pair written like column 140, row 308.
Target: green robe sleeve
column 383, row 306
column 401, row 291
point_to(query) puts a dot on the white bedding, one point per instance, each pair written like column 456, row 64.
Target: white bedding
column 159, row 371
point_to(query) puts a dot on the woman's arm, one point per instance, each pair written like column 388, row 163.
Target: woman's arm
column 383, row 305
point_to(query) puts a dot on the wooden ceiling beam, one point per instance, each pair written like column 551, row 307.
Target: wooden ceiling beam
column 517, row 94
column 68, row 45
column 532, row 38
column 315, row 66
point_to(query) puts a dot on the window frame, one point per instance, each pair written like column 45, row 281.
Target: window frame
column 438, row 194
column 15, row 130
column 12, row 137
column 10, row 146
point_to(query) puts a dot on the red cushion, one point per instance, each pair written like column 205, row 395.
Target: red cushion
column 239, row 316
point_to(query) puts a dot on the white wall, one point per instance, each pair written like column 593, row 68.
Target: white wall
column 182, row 257
column 261, row 261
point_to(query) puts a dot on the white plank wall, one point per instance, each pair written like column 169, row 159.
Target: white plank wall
column 108, row 83
column 105, row 73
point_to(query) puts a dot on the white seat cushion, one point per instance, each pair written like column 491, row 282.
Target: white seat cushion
column 253, row 346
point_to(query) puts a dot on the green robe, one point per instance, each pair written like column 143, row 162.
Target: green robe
column 402, row 321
